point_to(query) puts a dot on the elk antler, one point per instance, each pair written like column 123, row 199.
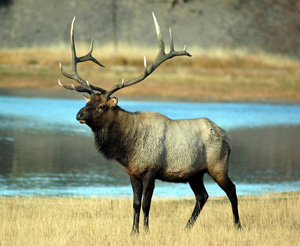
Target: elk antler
column 161, row 57
column 85, row 85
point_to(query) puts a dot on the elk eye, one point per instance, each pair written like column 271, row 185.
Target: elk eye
column 102, row 106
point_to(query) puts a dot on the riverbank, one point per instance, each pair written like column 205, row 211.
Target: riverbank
column 215, row 75
column 272, row 219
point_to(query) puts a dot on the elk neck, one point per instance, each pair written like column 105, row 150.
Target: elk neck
column 116, row 139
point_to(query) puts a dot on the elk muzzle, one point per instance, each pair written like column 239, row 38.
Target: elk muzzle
column 81, row 116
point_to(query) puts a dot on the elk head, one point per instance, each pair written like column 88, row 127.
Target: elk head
column 97, row 111
column 100, row 103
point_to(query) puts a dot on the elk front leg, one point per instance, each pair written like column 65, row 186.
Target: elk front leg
column 148, row 187
column 137, row 187
column 201, row 195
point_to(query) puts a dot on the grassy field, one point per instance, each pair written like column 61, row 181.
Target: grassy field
column 214, row 75
column 272, row 219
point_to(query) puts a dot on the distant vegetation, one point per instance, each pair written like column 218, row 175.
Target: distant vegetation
column 267, row 25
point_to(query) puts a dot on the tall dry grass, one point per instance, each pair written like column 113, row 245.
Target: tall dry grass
column 272, row 219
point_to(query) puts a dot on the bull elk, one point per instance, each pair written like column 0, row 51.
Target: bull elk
column 151, row 146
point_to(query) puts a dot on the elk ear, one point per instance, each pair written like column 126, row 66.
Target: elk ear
column 112, row 102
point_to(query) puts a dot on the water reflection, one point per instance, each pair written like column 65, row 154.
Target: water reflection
column 266, row 155
column 38, row 156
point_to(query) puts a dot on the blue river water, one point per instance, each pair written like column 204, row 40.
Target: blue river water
column 59, row 114
column 32, row 164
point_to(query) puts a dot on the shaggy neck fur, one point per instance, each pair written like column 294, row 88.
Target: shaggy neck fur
column 115, row 140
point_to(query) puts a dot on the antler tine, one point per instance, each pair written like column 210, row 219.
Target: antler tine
column 160, row 58
column 171, row 40
column 85, row 86
column 78, row 88
column 73, row 50
column 145, row 64
column 161, row 42
column 89, row 57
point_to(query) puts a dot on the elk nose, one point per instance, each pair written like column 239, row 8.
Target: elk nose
column 80, row 116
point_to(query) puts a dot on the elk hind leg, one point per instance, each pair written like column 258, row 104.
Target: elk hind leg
column 228, row 186
column 196, row 183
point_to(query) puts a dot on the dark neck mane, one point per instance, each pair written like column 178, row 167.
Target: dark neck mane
column 116, row 138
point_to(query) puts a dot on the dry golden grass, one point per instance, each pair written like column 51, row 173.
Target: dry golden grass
column 209, row 75
column 272, row 219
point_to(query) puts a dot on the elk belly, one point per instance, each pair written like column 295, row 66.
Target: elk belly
column 182, row 162
column 175, row 177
